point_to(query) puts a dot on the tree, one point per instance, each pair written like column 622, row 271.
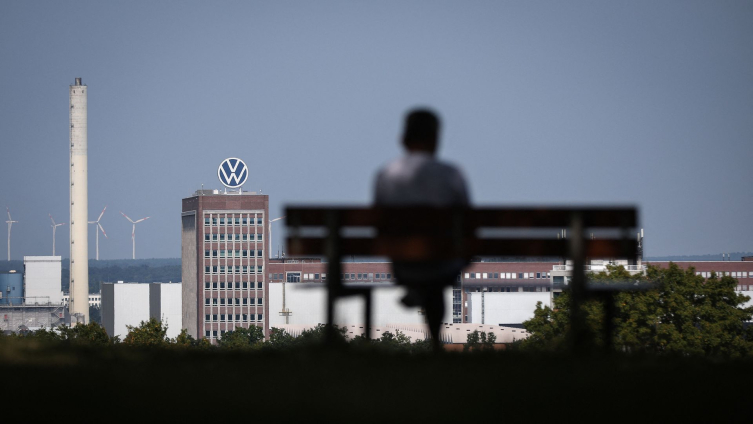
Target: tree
column 242, row 338
column 185, row 340
column 479, row 341
column 683, row 314
column 91, row 333
column 280, row 339
column 151, row 333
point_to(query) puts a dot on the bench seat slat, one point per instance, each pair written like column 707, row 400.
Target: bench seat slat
column 418, row 248
column 521, row 217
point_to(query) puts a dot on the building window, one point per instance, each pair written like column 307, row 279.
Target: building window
column 214, row 333
column 206, row 301
column 259, row 317
column 259, row 285
column 207, row 333
column 259, row 300
column 206, row 285
column 245, row 301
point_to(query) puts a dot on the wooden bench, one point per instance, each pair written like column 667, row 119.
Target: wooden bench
column 430, row 234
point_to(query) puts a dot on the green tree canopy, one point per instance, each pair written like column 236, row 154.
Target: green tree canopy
column 683, row 314
column 151, row 333
column 242, row 338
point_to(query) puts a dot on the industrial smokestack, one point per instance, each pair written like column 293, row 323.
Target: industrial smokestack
column 79, row 236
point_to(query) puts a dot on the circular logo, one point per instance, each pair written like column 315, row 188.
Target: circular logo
column 232, row 172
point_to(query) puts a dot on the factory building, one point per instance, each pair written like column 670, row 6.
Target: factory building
column 305, row 304
column 124, row 304
column 33, row 299
column 224, row 261
column 42, row 280
column 11, row 288
column 165, row 304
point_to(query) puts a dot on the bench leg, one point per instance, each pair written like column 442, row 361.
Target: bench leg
column 367, row 314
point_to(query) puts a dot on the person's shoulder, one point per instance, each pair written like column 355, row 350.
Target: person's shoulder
column 450, row 168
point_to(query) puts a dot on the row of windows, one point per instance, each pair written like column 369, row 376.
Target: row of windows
column 230, row 301
column 232, row 253
column 734, row 274
column 744, row 288
column 232, row 237
column 238, row 285
column 514, row 289
column 229, row 317
column 232, row 269
column 506, row 275
column 214, row 221
column 213, row 334
column 294, row 277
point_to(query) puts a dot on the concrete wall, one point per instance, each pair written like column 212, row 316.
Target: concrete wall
column 504, row 308
column 307, row 303
column 42, row 280
column 189, row 291
column 122, row 305
column 165, row 300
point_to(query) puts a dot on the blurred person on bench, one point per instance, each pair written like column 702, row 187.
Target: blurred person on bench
column 418, row 178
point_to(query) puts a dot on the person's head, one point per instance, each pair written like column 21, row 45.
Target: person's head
column 421, row 131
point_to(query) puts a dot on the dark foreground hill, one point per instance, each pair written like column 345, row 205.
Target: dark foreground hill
column 361, row 386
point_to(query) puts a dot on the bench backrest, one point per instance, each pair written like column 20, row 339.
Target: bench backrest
column 421, row 233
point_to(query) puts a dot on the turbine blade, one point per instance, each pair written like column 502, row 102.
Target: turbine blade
column 51, row 219
column 103, row 212
column 8, row 210
column 126, row 217
column 102, row 229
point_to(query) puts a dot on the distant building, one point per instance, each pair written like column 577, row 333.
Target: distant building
column 42, row 276
column 165, row 304
column 95, row 299
column 224, row 261
column 125, row 304
column 11, row 288
column 303, row 304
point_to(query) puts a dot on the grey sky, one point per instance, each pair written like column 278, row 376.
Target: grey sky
column 638, row 102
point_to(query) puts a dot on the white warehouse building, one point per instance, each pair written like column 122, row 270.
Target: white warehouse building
column 125, row 304
column 166, row 304
column 306, row 305
column 505, row 308
column 42, row 280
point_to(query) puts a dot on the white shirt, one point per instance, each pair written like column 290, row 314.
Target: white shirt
column 419, row 179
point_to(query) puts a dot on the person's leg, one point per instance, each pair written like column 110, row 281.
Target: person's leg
column 434, row 307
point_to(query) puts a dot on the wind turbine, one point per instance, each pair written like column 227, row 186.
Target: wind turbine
column 133, row 232
column 10, row 222
column 54, row 227
column 99, row 227
column 270, row 233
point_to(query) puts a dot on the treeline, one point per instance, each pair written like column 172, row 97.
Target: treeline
column 153, row 334
column 142, row 273
column 682, row 314
column 105, row 271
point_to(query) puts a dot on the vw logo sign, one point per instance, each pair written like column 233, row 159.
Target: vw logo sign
column 232, row 172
